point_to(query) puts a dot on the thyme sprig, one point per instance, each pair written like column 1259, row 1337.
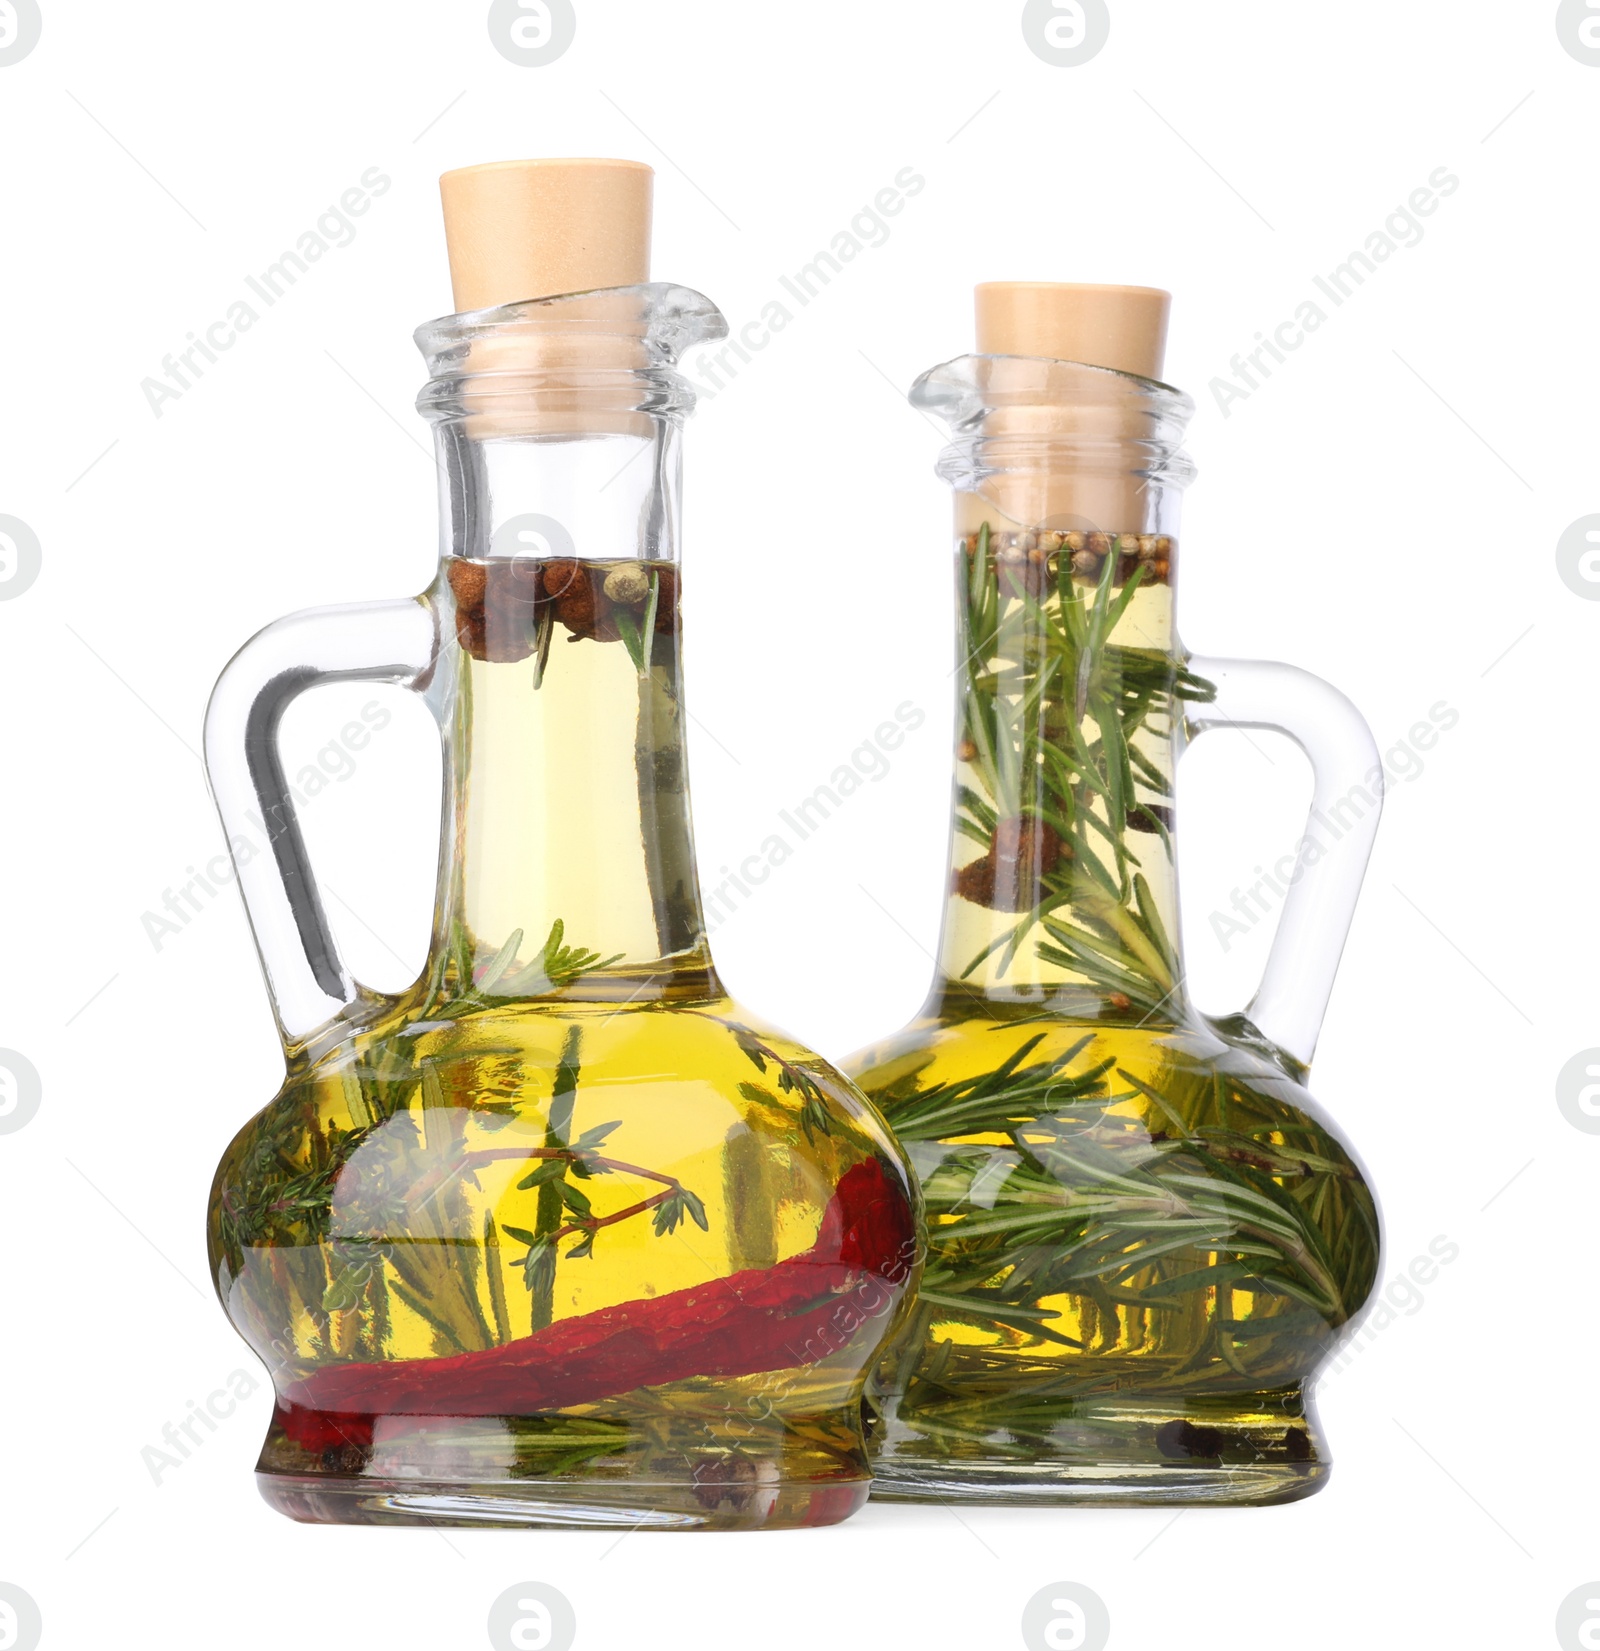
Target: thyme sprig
column 791, row 1079
column 564, row 1209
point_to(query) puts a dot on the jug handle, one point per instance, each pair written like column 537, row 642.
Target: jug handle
column 1347, row 799
column 374, row 642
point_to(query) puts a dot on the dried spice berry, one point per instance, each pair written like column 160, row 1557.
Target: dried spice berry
column 975, row 881
column 497, row 608
column 501, row 605
column 580, row 603
column 1023, row 850
column 511, row 609
column 628, row 585
column 1022, row 561
column 468, row 581
column 347, row 1458
column 1152, row 817
column 518, row 584
column 1179, row 1439
column 1026, row 563
column 733, row 1481
column 1127, row 557
column 587, row 595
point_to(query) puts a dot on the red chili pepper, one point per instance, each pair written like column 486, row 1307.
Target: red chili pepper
column 757, row 1320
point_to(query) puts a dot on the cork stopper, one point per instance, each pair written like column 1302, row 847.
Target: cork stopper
column 538, row 228
column 1124, row 328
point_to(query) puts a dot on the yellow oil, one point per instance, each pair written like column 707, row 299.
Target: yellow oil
column 1143, row 1236
column 377, row 1232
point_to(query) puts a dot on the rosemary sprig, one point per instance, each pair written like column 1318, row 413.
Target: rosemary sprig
column 1071, row 1201
column 1066, row 727
column 557, row 966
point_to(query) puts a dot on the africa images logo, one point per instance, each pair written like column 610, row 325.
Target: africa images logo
column 1578, row 29
column 1066, row 33
column 20, row 28
column 532, row 33
column 20, row 554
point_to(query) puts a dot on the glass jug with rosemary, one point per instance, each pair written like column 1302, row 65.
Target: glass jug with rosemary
column 1143, row 1234
column 559, row 1235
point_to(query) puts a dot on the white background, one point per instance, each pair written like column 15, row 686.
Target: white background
column 1384, row 512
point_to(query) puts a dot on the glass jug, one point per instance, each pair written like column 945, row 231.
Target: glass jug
column 558, row 1235
column 1143, row 1234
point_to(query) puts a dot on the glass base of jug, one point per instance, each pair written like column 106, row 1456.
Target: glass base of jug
column 1234, row 1450
column 1099, row 1484
column 327, row 1499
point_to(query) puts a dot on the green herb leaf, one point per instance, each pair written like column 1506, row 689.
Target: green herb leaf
column 501, row 961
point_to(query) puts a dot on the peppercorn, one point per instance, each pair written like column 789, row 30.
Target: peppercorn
column 628, row 585
column 1023, row 573
column 966, row 750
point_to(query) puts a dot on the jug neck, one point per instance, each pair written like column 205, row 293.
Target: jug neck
column 1071, row 682
column 568, row 868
